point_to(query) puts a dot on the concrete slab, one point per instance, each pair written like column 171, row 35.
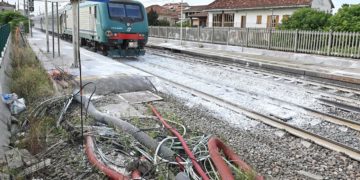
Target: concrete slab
column 120, row 110
column 140, row 97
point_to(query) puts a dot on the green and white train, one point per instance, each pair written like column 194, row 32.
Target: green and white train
column 118, row 28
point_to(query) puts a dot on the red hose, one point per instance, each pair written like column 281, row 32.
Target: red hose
column 197, row 167
column 215, row 145
column 112, row 174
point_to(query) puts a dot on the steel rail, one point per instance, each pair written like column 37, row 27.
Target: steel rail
column 355, row 125
column 298, row 132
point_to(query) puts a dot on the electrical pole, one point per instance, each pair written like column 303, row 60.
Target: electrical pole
column 58, row 27
column 47, row 26
column 53, row 30
column 75, row 32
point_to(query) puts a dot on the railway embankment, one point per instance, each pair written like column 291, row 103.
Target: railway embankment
column 5, row 115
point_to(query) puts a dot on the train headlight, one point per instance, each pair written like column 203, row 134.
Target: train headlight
column 109, row 33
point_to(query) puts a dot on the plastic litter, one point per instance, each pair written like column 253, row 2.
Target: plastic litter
column 18, row 106
column 9, row 98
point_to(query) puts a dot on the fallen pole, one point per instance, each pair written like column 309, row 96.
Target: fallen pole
column 139, row 135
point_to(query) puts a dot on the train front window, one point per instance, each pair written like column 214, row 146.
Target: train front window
column 117, row 11
column 125, row 12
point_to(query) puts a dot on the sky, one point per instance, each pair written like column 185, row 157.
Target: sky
column 39, row 6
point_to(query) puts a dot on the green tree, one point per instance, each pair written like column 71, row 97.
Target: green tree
column 153, row 17
column 347, row 18
column 307, row 19
column 14, row 19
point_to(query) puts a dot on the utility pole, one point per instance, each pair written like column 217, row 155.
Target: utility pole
column 75, row 28
column 58, row 27
column 181, row 22
column 47, row 26
column 53, row 30
column 28, row 14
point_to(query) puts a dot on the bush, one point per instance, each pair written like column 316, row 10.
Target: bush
column 307, row 19
column 347, row 19
column 163, row 22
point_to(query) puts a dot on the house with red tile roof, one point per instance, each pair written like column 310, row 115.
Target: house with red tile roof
column 258, row 13
column 164, row 13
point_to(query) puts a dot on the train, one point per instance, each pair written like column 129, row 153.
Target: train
column 117, row 28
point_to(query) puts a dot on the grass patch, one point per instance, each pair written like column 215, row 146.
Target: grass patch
column 29, row 79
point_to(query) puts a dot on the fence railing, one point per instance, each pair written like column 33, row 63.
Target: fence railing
column 343, row 44
column 4, row 34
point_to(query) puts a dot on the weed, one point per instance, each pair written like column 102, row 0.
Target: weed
column 29, row 79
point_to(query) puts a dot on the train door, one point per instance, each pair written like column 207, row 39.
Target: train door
column 92, row 20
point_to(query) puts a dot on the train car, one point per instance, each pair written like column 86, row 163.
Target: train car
column 118, row 28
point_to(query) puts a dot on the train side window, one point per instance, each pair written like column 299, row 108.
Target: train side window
column 95, row 11
column 89, row 9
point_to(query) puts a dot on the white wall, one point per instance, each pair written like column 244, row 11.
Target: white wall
column 251, row 16
column 322, row 5
column 210, row 19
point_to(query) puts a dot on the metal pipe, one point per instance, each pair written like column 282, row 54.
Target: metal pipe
column 53, row 30
column 58, row 27
column 47, row 26
column 139, row 135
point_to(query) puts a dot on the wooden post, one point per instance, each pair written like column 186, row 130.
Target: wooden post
column 329, row 43
column 296, row 40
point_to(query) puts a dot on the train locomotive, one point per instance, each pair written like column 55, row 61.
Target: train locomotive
column 118, row 28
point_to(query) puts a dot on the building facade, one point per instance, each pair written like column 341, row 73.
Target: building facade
column 4, row 6
column 258, row 13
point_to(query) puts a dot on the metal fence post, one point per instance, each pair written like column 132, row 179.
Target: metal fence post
column 296, row 40
column 199, row 33
column 212, row 36
column 158, row 32
column 329, row 43
column 167, row 32
column 247, row 30
column 269, row 41
column 228, row 37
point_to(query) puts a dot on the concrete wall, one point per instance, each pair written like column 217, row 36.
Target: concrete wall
column 4, row 111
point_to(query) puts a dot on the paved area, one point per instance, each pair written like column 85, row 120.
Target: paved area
column 333, row 68
column 94, row 65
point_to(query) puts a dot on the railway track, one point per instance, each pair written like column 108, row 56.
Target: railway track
column 326, row 89
column 322, row 115
column 266, row 119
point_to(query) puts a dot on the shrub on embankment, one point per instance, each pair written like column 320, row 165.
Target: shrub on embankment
column 14, row 19
column 29, row 79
